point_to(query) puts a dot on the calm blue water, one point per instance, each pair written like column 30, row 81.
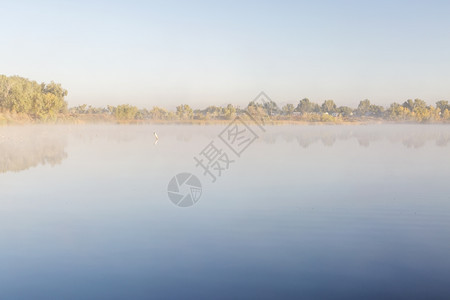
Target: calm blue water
column 306, row 212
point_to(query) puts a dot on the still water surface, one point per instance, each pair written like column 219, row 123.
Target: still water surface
column 306, row 212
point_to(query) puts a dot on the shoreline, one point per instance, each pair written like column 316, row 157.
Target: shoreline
column 215, row 122
column 12, row 119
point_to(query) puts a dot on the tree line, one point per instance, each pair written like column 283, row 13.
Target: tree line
column 46, row 102
column 411, row 110
column 40, row 101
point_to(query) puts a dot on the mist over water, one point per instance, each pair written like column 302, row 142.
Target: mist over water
column 329, row 212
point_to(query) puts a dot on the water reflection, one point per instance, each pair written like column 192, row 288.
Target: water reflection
column 22, row 148
column 413, row 136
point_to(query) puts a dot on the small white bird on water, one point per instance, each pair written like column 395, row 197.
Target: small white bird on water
column 156, row 137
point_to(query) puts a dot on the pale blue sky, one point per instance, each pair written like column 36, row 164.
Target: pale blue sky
column 207, row 52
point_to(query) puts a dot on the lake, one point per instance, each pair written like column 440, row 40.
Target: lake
column 292, row 212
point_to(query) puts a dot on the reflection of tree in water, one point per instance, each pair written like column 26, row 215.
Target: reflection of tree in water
column 328, row 139
column 24, row 148
column 420, row 138
column 305, row 141
column 307, row 137
column 442, row 140
column 414, row 141
column 268, row 138
column 364, row 139
column 411, row 137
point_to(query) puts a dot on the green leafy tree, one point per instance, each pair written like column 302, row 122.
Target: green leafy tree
column 184, row 112
column 328, row 106
column 47, row 106
column 271, row 108
column 158, row 113
column 305, row 106
column 442, row 105
column 111, row 109
column 411, row 105
column 143, row 114
column 126, row 112
column 213, row 112
column 288, row 109
column 397, row 112
column 376, row 110
column 230, row 112
column 363, row 108
column 257, row 111
column 42, row 101
column 345, row 111
column 446, row 115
